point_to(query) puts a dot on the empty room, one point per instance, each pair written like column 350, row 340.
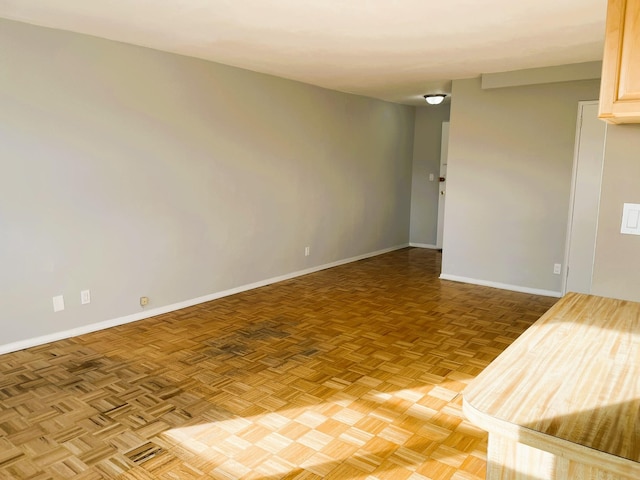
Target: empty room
column 301, row 240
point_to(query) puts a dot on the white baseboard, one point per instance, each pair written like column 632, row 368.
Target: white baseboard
column 502, row 286
column 94, row 327
column 424, row 245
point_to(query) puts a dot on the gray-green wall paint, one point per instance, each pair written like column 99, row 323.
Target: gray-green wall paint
column 616, row 271
column 509, row 181
column 134, row 172
column 426, row 160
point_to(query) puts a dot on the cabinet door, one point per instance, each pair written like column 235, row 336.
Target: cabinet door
column 620, row 88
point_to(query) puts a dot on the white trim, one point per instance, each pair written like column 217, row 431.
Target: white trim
column 424, row 245
column 502, row 286
column 94, row 327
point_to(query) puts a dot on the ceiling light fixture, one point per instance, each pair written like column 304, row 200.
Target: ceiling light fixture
column 435, row 99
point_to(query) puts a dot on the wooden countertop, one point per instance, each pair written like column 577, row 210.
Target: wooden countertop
column 573, row 376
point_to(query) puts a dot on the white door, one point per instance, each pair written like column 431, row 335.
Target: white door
column 585, row 199
column 444, row 152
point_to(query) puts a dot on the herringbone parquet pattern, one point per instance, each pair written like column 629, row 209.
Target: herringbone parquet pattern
column 350, row 373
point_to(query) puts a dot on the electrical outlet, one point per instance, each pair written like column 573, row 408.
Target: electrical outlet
column 557, row 268
column 307, row 251
column 85, row 297
column 58, row 303
column 144, row 301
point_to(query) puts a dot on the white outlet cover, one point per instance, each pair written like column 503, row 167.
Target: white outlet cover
column 58, row 303
column 630, row 219
column 85, row 297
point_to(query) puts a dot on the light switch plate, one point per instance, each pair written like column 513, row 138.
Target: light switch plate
column 630, row 219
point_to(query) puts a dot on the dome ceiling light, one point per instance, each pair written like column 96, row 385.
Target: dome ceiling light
column 435, row 98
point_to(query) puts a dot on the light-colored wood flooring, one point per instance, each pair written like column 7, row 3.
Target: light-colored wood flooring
column 350, row 373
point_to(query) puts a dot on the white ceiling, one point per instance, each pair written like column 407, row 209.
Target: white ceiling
column 395, row 50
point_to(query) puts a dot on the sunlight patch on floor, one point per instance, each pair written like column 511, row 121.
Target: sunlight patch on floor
column 322, row 437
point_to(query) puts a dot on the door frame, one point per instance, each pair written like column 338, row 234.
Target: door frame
column 574, row 176
column 442, row 186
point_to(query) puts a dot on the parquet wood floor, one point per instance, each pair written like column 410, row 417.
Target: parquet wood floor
column 350, row 373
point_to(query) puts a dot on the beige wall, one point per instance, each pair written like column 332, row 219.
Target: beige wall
column 616, row 270
column 134, row 172
column 426, row 160
column 509, row 180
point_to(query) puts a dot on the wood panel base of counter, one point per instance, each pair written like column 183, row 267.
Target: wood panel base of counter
column 509, row 460
column 512, row 455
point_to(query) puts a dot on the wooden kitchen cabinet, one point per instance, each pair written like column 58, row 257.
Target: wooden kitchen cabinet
column 620, row 87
